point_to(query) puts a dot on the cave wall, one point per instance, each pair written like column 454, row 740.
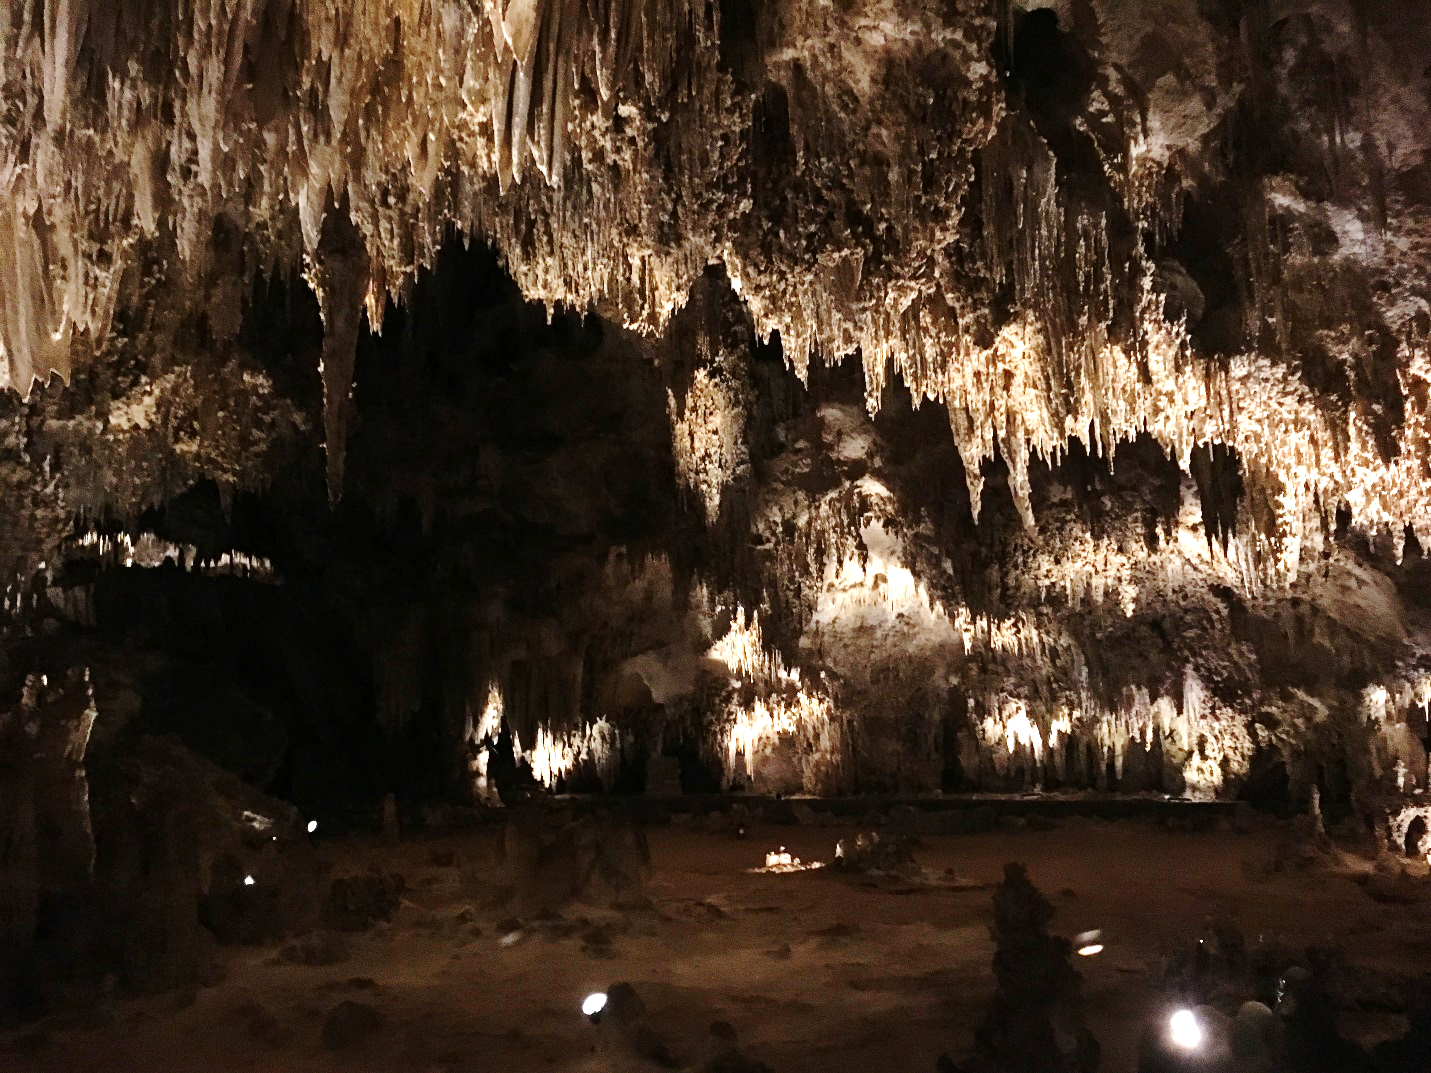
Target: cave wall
column 878, row 397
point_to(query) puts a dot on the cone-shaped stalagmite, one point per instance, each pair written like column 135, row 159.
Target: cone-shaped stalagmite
column 1034, row 1023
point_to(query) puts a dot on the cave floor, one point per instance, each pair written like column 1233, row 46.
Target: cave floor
column 816, row 971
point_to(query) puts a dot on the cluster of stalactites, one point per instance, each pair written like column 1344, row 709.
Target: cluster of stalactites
column 772, row 711
column 149, row 551
column 552, row 754
column 1207, row 744
column 1058, row 370
column 1299, row 457
column 131, row 125
column 606, row 153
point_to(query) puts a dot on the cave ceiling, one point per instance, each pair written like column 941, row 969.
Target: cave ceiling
column 1158, row 273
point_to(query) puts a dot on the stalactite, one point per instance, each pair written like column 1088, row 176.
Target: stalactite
column 34, row 327
column 776, row 731
column 557, row 755
column 340, row 280
column 874, row 185
column 148, row 551
column 609, row 157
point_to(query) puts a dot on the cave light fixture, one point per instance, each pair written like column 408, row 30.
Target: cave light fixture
column 248, row 881
column 592, row 1005
column 312, row 826
column 1185, row 1030
column 1088, row 943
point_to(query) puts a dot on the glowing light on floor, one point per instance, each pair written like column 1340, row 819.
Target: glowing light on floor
column 248, row 881
column 594, row 1003
column 1089, row 950
column 782, row 860
column 312, row 826
column 1185, row 1031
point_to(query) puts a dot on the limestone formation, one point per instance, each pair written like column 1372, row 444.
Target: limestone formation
column 1034, row 1021
column 1084, row 239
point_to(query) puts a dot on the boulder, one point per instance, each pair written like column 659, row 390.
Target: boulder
column 318, row 949
column 871, row 854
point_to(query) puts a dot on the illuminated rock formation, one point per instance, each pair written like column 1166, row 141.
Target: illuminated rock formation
column 1049, row 382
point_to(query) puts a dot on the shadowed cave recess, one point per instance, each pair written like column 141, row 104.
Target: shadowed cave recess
column 419, row 412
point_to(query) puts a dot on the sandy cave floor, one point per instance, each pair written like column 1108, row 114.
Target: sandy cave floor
column 815, row 971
